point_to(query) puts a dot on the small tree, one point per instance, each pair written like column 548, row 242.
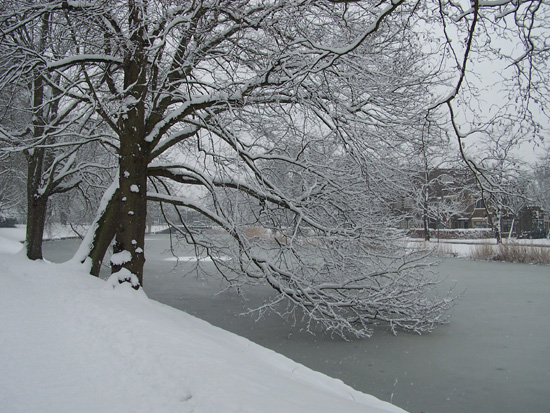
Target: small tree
column 12, row 184
column 512, row 37
column 540, row 187
column 503, row 179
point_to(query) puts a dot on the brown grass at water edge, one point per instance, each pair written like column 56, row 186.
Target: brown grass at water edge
column 445, row 250
column 258, row 232
column 437, row 249
column 484, row 252
column 512, row 252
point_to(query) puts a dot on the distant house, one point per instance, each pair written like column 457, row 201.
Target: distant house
column 474, row 216
column 454, row 202
column 442, row 198
column 533, row 222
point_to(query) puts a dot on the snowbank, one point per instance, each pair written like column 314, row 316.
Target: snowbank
column 55, row 231
column 9, row 245
column 71, row 342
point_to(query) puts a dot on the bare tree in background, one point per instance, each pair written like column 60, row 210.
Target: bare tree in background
column 503, row 108
column 12, row 185
column 12, row 173
column 52, row 129
column 541, row 185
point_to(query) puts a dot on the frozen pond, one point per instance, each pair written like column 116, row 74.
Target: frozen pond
column 494, row 356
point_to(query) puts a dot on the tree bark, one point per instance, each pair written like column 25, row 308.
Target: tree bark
column 103, row 235
column 425, row 221
column 36, row 218
column 102, row 231
column 37, row 198
column 132, row 208
column 133, row 160
column 37, row 202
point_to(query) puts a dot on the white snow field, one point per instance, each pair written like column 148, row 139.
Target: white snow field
column 73, row 343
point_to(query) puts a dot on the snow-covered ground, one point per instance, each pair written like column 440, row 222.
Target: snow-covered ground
column 11, row 234
column 57, row 231
column 71, row 342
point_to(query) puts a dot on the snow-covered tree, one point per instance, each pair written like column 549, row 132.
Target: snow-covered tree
column 502, row 178
column 288, row 114
column 12, row 187
column 492, row 112
column 51, row 129
column 540, row 186
column 438, row 185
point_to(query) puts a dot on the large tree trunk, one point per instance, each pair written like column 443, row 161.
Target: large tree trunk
column 37, row 196
column 132, row 211
column 37, row 202
column 128, row 258
column 36, row 218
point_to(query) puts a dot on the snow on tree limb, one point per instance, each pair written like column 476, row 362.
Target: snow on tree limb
column 76, row 60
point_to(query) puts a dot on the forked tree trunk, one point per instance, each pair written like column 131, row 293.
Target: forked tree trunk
column 95, row 244
column 105, row 228
column 123, row 218
column 103, row 235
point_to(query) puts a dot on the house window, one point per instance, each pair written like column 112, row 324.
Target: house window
column 506, row 225
column 480, row 204
column 480, row 224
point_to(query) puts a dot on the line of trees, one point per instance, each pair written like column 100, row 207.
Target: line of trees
column 301, row 115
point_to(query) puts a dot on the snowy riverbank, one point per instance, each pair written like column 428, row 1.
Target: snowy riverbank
column 531, row 251
column 71, row 342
